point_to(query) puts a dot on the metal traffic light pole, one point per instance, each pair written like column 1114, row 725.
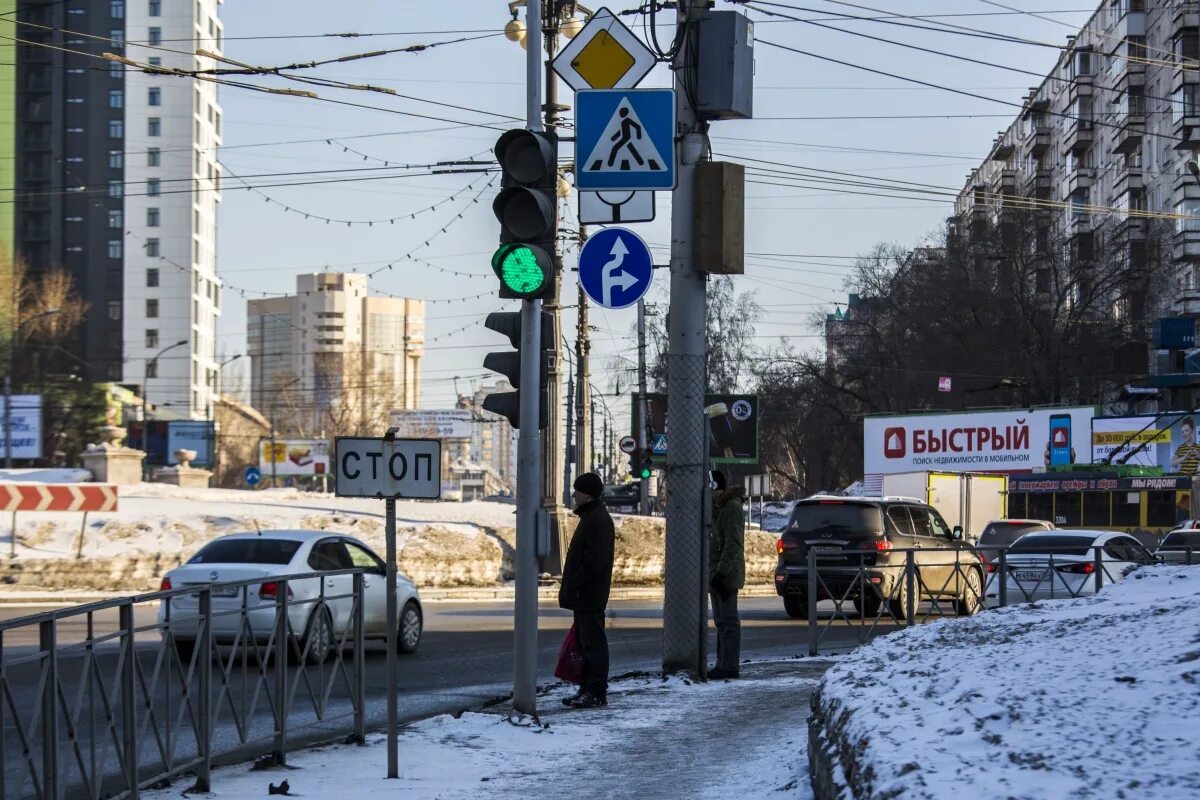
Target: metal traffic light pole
column 529, row 484
column 639, row 418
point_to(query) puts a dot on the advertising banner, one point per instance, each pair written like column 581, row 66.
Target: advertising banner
column 977, row 441
column 448, row 423
column 731, row 419
column 1167, row 441
column 25, row 416
column 300, row 458
column 187, row 435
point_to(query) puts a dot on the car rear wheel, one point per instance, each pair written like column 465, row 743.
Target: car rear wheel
column 899, row 602
column 411, row 628
column 318, row 637
column 796, row 606
column 971, row 600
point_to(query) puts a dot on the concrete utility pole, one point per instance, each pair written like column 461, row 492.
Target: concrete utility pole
column 687, row 454
column 553, row 451
column 529, row 441
column 640, row 417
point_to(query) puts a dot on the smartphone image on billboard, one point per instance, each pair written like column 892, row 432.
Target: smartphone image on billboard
column 1060, row 439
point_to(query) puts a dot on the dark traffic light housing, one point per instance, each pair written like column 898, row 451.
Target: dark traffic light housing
column 527, row 208
column 508, row 364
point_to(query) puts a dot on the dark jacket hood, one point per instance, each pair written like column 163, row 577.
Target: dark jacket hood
column 729, row 495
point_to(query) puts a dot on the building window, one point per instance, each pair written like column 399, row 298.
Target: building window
column 116, row 70
column 154, row 61
column 116, row 98
column 116, row 189
column 114, row 219
column 114, row 248
column 155, row 36
column 152, row 217
column 116, row 9
column 153, row 157
column 116, row 128
column 152, row 309
column 117, row 37
column 1188, row 218
column 152, row 277
column 153, row 187
column 154, row 126
column 155, row 8
column 116, row 159
column 151, row 337
column 151, row 369
column 152, row 248
column 114, row 309
column 154, row 96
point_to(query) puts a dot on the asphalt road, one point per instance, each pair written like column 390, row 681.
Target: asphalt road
column 465, row 659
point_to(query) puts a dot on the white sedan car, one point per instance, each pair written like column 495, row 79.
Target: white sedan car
column 1061, row 564
column 319, row 609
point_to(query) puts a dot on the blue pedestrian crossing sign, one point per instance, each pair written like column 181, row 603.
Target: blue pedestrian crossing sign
column 625, row 139
column 615, row 268
column 659, row 448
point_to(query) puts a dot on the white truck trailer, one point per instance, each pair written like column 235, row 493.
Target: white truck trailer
column 967, row 499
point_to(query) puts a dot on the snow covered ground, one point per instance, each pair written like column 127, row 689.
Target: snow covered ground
column 656, row 739
column 1089, row 698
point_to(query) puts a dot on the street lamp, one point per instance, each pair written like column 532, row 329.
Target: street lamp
column 152, row 363
column 12, row 361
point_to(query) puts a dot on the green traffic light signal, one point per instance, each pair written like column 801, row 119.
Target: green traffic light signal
column 645, row 472
column 524, row 270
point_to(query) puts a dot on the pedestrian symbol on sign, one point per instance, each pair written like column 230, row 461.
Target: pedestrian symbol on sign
column 624, row 146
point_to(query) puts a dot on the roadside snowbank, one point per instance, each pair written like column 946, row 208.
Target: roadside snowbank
column 1089, row 698
column 45, row 476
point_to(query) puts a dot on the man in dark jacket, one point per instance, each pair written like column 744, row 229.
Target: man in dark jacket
column 586, row 578
column 727, row 575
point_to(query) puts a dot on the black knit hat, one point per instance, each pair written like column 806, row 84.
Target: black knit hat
column 590, row 484
column 718, row 479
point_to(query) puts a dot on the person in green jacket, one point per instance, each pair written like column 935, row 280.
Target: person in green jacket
column 727, row 574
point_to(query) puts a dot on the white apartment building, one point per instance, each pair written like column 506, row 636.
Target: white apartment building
column 172, row 131
column 331, row 359
column 1110, row 131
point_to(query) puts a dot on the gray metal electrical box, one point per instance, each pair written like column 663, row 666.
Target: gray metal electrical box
column 726, row 71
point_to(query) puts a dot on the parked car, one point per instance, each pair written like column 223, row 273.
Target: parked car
column 1180, row 546
column 1005, row 532
column 1062, row 563
column 321, row 619
column 859, row 540
column 623, row 499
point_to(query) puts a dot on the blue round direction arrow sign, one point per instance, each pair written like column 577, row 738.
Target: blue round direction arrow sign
column 615, row 268
column 253, row 476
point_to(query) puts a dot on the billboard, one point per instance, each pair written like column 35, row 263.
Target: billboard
column 297, row 458
column 1166, row 440
column 449, row 423
column 159, row 439
column 731, row 421
column 25, row 417
column 977, row 441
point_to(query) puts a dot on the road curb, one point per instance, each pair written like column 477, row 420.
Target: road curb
column 465, row 593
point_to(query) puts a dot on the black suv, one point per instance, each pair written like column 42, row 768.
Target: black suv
column 860, row 540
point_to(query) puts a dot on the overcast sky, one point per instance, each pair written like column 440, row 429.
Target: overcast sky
column 262, row 246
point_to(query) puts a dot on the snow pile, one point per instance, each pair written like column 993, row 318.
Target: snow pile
column 45, row 476
column 1094, row 697
column 656, row 739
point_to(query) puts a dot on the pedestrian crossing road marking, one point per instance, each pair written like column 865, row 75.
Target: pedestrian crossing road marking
column 624, row 145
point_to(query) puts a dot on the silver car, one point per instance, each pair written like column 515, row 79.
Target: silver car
column 319, row 609
column 1060, row 564
column 1180, row 546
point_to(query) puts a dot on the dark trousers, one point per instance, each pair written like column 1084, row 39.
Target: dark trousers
column 729, row 631
column 593, row 643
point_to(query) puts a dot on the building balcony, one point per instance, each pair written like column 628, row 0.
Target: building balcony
column 1187, row 300
column 1185, row 14
column 1127, row 178
column 1079, row 136
column 1131, row 228
column 1004, row 182
column 1038, row 182
column 1077, row 179
column 1078, row 222
column 1131, row 129
column 1003, row 151
column 1185, row 244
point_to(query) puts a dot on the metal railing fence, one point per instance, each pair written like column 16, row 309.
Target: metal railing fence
column 97, row 703
column 913, row 586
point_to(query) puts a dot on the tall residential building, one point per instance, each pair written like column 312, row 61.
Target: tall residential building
column 1108, row 132
column 116, row 183
column 330, row 359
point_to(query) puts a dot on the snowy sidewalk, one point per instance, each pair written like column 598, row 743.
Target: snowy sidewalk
column 656, row 739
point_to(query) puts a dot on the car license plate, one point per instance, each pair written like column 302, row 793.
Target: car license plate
column 1031, row 574
column 226, row 591
column 825, row 548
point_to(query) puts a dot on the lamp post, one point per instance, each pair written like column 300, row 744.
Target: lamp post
column 152, row 362
column 12, row 361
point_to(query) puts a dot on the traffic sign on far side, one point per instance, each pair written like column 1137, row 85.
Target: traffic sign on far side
column 604, row 55
column 628, row 444
column 409, row 469
column 615, row 268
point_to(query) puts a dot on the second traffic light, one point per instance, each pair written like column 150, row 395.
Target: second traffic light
column 508, row 364
column 527, row 208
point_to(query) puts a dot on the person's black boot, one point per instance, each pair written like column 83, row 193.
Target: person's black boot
column 588, row 700
column 567, row 701
column 719, row 674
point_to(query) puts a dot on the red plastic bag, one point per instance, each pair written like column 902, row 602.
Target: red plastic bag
column 570, row 659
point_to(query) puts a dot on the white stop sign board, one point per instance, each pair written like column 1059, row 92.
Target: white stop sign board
column 409, row 469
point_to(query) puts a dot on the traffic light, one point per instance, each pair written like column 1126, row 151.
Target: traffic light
column 645, row 465
column 527, row 208
column 508, row 364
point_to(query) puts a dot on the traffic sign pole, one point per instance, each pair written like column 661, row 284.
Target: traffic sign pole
column 643, row 405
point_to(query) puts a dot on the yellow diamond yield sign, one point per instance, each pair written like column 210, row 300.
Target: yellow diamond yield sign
column 602, row 61
column 604, row 55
